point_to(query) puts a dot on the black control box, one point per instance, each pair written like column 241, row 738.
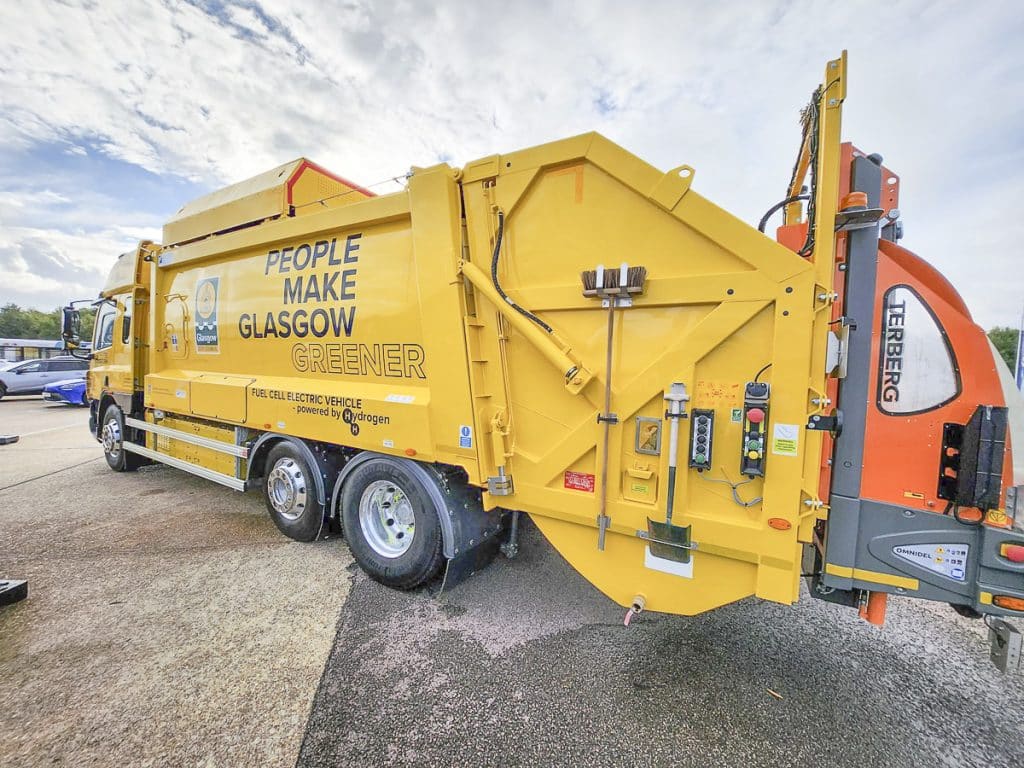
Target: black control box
column 755, row 429
column 702, row 430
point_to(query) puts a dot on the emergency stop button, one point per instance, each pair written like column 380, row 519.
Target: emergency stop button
column 1012, row 552
column 756, row 415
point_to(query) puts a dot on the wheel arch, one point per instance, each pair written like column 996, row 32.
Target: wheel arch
column 106, row 400
column 464, row 524
column 262, row 447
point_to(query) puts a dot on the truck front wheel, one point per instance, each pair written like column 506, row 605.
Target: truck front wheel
column 391, row 524
column 112, row 436
column 290, row 493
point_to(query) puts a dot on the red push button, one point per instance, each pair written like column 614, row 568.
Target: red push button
column 1012, row 552
column 756, row 415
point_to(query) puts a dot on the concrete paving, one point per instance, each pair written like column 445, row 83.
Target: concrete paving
column 528, row 665
column 52, row 437
column 168, row 622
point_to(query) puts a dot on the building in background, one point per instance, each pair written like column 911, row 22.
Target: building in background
column 16, row 350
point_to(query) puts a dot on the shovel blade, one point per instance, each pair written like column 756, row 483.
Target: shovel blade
column 669, row 542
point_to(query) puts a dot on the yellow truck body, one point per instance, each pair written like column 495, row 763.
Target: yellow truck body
column 447, row 325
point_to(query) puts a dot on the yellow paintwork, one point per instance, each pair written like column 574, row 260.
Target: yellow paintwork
column 873, row 576
column 296, row 188
column 412, row 352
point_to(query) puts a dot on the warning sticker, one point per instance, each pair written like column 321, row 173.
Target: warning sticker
column 708, row 394
column 580, row 481
column 784, row 439
column 465, row 436
column 948, row 559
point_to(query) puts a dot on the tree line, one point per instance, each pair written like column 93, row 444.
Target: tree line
column 21, row 323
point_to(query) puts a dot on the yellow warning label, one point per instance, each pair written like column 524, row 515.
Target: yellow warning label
column 709, row 394
column 998, row 519
column 785, row 439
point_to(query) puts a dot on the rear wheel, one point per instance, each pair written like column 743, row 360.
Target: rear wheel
column 112, row 436
column 391, row 524
column 290, row 493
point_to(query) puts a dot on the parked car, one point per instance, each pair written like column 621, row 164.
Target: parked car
column 70, row 391
column 31, row 376
column 5, row 364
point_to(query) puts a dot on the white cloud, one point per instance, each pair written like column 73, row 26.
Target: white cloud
column 46, row 268
column 369, row 89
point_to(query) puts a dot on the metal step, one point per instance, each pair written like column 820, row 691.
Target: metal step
column 186, row 466
column 241, row 451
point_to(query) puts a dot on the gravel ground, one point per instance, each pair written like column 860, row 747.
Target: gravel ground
column 168, row 622
column 526, row 664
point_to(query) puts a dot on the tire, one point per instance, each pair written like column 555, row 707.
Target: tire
column 3, row 391
column 392, row 524
column 112, row 437
column 289, row 491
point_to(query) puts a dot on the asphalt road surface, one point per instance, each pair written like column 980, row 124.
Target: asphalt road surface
column 170, row 624
column 527, row 664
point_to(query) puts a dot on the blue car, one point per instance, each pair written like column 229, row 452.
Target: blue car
column 70, row 391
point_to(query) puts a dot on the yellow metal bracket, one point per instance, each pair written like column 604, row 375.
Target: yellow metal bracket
column 671, row 187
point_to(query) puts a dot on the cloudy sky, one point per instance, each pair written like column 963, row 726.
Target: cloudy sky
column 115, row 112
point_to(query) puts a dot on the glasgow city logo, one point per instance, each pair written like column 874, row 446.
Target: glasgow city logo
column 207, row 333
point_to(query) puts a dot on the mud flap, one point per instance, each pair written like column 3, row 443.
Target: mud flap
column 471, row 535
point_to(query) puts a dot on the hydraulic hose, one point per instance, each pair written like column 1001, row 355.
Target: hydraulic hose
column 497, row 285
column 771, row 211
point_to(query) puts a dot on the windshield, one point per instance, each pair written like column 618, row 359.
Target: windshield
column 104, row 333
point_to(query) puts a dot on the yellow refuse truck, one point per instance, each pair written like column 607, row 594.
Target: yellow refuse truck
column 690, row 410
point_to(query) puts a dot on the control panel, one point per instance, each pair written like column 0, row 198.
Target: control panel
column 702, row 430
column 755, row 426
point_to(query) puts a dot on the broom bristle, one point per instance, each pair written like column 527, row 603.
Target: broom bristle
column 635, row 278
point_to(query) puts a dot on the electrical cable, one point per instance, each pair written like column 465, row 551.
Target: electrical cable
column 758, row 374
column 809, row 116
column 497, row 285
column 812, row 145
column 732, row 486
column 782, row 204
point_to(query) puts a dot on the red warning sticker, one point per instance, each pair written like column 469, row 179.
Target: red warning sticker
column 580, row 481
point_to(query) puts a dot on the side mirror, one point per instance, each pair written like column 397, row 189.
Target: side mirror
column 71, row 327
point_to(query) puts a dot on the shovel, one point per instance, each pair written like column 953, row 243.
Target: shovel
column 668, row 541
